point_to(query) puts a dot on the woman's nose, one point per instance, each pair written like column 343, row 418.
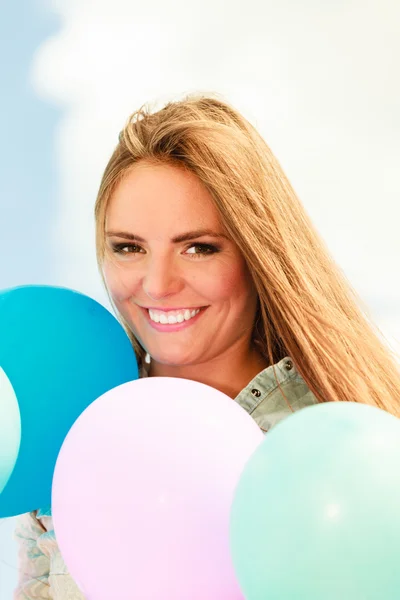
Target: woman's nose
column 161, row 280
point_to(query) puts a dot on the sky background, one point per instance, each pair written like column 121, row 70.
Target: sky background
column 320, row 80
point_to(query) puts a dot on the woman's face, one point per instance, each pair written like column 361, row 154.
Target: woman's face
column 180, row 283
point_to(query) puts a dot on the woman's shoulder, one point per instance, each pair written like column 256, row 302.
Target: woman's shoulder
column 275, row 393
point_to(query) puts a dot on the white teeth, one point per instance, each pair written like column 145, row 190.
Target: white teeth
column 177, row 316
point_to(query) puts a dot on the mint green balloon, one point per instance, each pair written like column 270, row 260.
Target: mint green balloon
column 10, row 429
column 316, row 514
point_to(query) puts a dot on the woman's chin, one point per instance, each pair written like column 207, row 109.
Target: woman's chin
column 172, row 360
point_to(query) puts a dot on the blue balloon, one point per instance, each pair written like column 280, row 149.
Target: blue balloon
column 60, row 351
column 316, row 511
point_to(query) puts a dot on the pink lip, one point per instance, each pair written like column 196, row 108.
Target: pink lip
column 177, row 326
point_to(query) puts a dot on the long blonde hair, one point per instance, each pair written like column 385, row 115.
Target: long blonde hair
column 307, row 309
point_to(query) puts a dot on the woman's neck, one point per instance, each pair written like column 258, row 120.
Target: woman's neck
column 229, row 373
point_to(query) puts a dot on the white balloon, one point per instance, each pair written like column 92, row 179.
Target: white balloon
column 10, row 429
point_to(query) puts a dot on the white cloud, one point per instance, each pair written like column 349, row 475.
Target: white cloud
column 320, row 80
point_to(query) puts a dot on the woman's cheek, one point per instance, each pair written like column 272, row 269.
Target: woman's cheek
column 118, row 282
column 226, row 284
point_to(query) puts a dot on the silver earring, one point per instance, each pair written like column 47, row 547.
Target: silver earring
column 147, row 358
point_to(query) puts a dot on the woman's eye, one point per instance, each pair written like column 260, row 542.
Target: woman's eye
column 126, row 248
column 202, row 249
column 195, row 250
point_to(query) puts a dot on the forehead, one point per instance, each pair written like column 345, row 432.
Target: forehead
column 161, row 197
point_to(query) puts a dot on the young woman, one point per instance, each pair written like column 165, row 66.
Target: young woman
column 219, row 276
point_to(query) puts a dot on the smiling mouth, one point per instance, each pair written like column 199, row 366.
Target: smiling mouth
column 172, row 318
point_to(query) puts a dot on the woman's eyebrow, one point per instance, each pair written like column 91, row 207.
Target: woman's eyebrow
column 183, row 237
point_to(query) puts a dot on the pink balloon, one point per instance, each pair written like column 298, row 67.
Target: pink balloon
column 143, row 488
